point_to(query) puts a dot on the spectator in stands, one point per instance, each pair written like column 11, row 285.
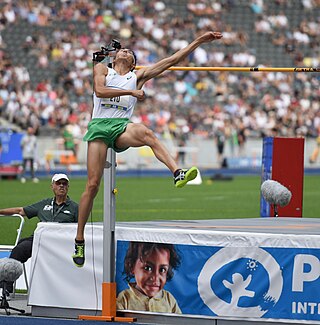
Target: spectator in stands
column 262, row 25
column 59, row 208
column 256, row 6
column 115, row 94
column 29, row 150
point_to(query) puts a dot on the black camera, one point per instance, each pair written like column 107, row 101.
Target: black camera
column 114, row 45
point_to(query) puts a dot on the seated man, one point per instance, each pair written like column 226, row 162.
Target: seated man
column 59, row 208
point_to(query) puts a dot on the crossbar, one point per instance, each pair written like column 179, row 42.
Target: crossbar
column 242, row 69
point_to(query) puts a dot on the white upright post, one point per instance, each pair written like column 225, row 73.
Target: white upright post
column 109, row 222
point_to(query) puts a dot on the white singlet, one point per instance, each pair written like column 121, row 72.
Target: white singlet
column 116, row 107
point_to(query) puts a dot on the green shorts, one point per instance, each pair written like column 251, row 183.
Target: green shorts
column 107, row 130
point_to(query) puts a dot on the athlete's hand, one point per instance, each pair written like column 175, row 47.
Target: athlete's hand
column 139, row 94
column 209, row 37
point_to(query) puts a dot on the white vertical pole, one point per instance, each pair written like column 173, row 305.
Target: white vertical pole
column 109, row 212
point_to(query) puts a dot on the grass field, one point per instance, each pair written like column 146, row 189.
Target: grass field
column 156, row 198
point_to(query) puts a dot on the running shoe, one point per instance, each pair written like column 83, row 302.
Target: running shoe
column 183, row 176
column 78, row 256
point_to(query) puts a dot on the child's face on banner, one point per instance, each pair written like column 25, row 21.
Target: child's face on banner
column 151, row 273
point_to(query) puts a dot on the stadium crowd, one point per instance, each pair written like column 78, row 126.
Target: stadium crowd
column 244, row 105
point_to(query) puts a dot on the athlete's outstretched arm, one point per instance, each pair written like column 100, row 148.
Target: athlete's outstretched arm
column 156, row 69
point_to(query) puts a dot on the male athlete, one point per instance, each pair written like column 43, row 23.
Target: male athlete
column 116, row 91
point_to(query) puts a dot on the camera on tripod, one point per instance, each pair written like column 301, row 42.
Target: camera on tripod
column 99, row 56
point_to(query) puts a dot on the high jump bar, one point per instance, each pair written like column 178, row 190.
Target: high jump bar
column 241, row 69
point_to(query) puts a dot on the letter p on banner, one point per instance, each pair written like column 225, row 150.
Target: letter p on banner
column 306, row 269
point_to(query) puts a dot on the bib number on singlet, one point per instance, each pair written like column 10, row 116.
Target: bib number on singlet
column 119, row 102
column 115, row 99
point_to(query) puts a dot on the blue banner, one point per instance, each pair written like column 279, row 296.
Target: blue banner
column 248, row 282
column 11, row 153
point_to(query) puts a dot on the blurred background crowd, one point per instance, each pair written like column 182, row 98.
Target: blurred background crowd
column 46, row 69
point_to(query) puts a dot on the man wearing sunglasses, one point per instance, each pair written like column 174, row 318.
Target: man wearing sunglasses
column 59, row 208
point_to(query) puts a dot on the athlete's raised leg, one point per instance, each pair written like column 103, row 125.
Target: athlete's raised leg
column 138, row 135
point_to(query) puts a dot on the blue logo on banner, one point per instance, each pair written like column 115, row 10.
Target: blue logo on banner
column 238, row 283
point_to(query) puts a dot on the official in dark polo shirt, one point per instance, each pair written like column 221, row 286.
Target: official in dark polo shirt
column 59, row 208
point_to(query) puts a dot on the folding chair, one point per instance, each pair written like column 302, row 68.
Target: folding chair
column 6, row 249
